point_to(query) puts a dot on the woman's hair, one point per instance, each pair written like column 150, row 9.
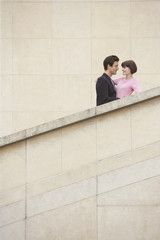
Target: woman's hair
column 110, row 60
column 131, row 65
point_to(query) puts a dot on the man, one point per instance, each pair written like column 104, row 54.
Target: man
column 105, row 89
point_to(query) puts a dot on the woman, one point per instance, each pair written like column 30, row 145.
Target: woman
column 128, row 84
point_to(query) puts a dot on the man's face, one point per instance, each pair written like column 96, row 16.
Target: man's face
column 114, row 68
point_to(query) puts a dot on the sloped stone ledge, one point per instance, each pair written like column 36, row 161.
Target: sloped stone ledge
column 80, row 116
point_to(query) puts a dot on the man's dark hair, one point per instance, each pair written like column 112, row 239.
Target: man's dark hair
column 131, row 64
column 110, row 60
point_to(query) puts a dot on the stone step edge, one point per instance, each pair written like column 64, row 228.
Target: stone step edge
column 80, row 116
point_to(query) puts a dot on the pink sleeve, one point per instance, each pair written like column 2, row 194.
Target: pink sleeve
column 116, row 81
column 136, row 86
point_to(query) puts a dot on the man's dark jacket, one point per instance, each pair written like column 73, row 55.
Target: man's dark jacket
column 105, row 90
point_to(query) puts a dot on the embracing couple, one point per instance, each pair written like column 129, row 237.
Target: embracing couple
column 109, row 90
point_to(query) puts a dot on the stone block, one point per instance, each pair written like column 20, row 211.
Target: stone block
column 78, row 144
column 12, row 196
column 61, row 180
column 145, row 131
column 14, row 231
column 61, row 197
column 12, row 213
column 6, row 20
column 145, row 19
column 12, row 165
column 148, row 47
column 74, row 20
column 74, row 221
column 128, row 175
column 143, row 193
column 78, row 55
column 27, row 24
column 103, row 12
column 44, row 156
column 32, row 56
column 6, row 48
column 113, row 133
column 130, row 222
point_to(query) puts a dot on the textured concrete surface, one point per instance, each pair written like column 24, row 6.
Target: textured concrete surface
column 80, row 116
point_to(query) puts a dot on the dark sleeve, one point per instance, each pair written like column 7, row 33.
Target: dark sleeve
column 102, row 89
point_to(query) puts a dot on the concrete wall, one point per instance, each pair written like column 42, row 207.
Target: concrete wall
column 52, row 52
column 93, row 180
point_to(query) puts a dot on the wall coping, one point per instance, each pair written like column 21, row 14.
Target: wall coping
column 79, row 116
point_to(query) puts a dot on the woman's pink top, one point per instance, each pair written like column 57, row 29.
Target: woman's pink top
column 126, row 87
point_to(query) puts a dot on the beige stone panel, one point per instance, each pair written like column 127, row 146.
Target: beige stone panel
column 101, row 48
column 5, row 56
column 129, row 158
column 33, row 93
column 11, row 1
column 44, row 155
column 71, row 56
column 6, row 19
column 70, row 1
column 74, row 20
column 110, row 0
column 104, row 25
column 76, row 93
column 5, row 123
column 115, row 162
column 12, row 213
column 12, row 196
column 6, row 93
column 148, row 81
column 146, row 54
column 130, row 223
column 145, row 19
column 141, row 193
column 128, row 175
column 146, row 152
column 71, row 93
column 145, row 123
column 46, row 1
column 75, row 221
column 23, row 120
column 14, row 231
column 93, row 97
column 0, row 22
column 12, row 165
column 78, row 144
column 61, row 197
column 32, row 20
column 143, row 0
column 32, row 56
column 61, row 180
column 0, row 52
column 113, row 133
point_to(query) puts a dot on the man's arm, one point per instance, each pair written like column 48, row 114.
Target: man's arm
column 103, row 92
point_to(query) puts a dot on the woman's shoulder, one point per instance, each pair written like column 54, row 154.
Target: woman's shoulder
column 116, row 80
column 135, row 80
column 121, row 78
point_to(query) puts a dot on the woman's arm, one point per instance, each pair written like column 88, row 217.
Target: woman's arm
column 136, row 86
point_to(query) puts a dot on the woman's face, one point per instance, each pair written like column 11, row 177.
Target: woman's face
column 126, row 70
